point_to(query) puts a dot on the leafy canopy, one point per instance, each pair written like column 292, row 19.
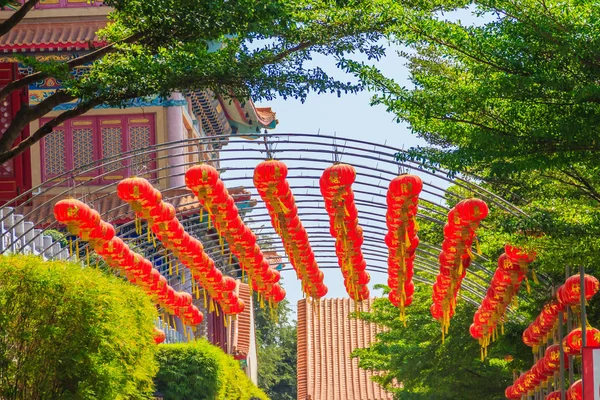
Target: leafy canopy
column 515, row 92
column 240, row 48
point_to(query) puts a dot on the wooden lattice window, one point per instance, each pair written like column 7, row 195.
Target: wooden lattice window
column 79, row 143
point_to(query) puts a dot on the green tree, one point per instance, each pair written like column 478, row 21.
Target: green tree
column 72, row 333
column 201, row 371
column 429, row 368
column 242, row 48
column 276, row 338
column 514, row 94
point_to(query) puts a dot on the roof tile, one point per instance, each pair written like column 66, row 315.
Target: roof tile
column 326, row 337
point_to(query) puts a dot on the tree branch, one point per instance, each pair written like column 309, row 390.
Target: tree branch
column 14, row 19
column 45, row 129
column 27, row 114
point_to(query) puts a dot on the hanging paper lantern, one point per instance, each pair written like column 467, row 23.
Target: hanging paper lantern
column 554, row 395
column 162, row 221
column 273, row 187
column 335, row 184
column 504, row 286
column 401, row 239
column 575, row 392
column 567, row 295
column 159, row 336
column 204, row 181
column 455, row 258
column 85, row 222
column 570, row 293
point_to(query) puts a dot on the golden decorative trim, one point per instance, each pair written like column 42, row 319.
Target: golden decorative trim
column 84, row 178
column 115, row 177
column 139, row 121
column 110, row 121
column 80, row 123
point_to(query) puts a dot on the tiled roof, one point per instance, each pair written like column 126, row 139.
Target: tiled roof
column 326, row 337
column 48, row 36
column 266, row 116
column 242, row 328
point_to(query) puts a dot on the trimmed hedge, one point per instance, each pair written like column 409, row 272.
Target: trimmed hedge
column 68, row 332
column 201, row 371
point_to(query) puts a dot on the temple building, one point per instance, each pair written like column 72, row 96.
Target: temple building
column 86, row 156
column 326, row 338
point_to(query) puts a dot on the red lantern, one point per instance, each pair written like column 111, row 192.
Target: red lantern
column 159, row 336
column 575, row 392
column 203, row 175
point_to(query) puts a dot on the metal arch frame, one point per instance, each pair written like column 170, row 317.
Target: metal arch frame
column 321, row 145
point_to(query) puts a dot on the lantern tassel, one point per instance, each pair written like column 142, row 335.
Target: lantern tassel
column 534, row 276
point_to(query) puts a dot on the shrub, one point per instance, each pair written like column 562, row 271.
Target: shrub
column 201, row 371
column 68, row 332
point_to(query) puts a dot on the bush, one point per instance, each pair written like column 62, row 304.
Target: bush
column 201, row 371
column 68, row 332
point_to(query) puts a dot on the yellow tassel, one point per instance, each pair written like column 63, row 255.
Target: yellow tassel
column 70, row 247
column 177, row 268
column 416, row 224
column 201, row 213
column 470, row 253
column 182, row 277
column 209, row 221
column 230, row 257
column 216, row 307
column 148, row 237
column 170, row 264
column 204, row 294
column 225, row 321
column 77, row 248
column 153, row 240
column 534, row 276
column 527, row 285
column 477, row 246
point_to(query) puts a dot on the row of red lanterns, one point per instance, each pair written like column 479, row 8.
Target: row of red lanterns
column 455, row 257
column 336, row 188
column 81, row 220
column 402, row 240
column 504, row 286
column 538, row 375
column 148, row 204
column 206, row 184
column 568, row 295
column 273, row 187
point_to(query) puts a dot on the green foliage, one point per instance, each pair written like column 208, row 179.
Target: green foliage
column 430, row 368
column 276, row 338
column 241, row 48
column 72, row 333
column 516, row 92
column 201, row 371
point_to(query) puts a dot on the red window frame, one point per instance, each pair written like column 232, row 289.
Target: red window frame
column 101, row 175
